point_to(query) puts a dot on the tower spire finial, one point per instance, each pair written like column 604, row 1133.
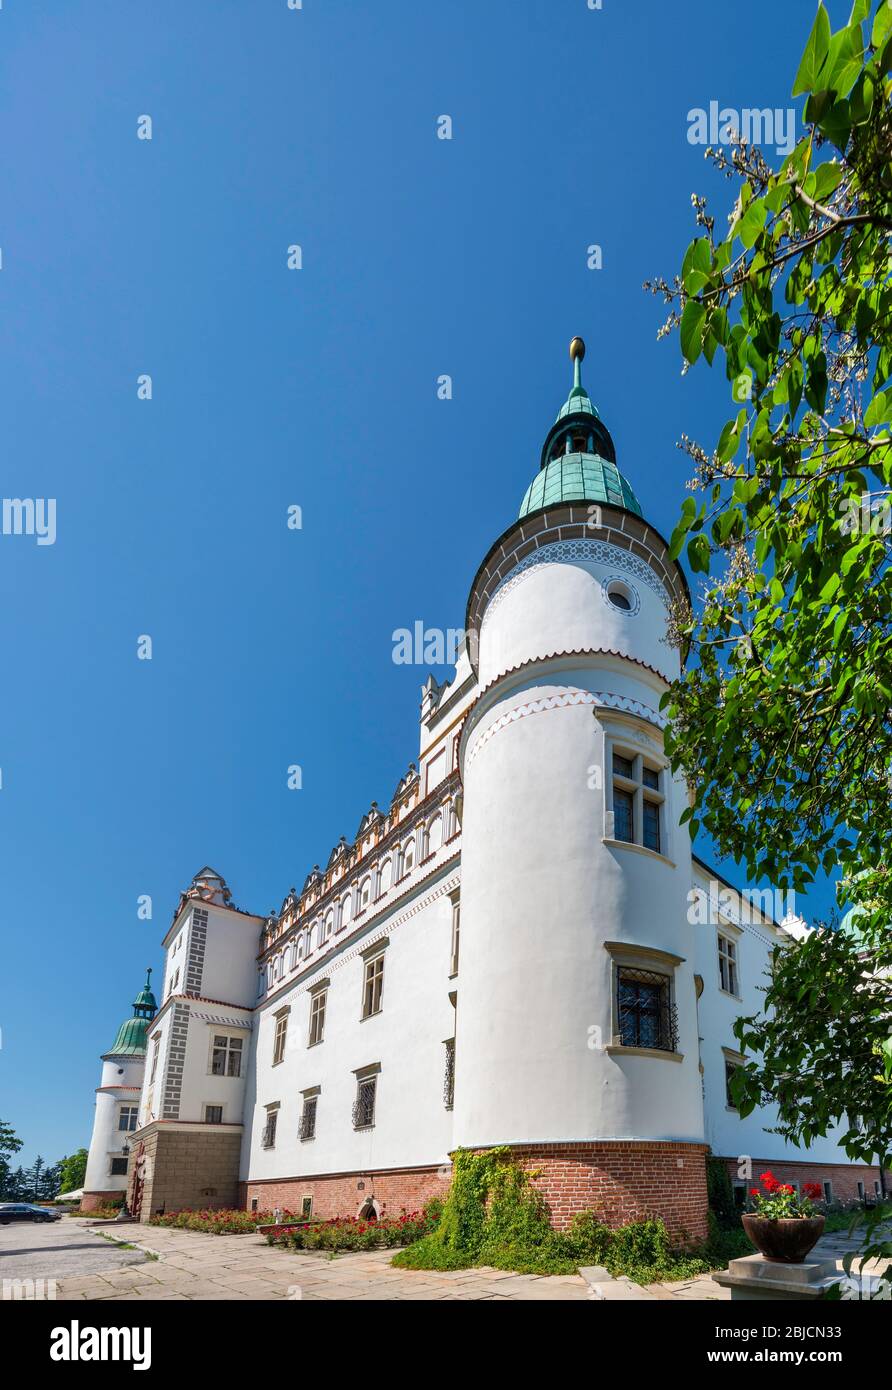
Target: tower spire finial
column 577, row 352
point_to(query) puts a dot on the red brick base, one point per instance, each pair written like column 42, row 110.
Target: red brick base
column 92, row 1201
column 340, row 1194
column 622, row 1181
column 844, row 1177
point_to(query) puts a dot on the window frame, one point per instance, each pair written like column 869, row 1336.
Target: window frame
column 271, row 1125
column 637, row 794
column 280, row 1035
column 366, row 1076
column 648, row 961
column 318, row 1006
column 728, row 962
column 228, row 1052
column 372, row 983
column 132, row 1111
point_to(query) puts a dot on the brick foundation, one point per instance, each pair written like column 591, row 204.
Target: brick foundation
column 623, row 1181
column 184, row 1166
column 843, row 1176
column 339, row 1194
column 92, row 1201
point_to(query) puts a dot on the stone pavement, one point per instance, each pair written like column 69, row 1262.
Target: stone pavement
column 58, row 1250
column 192, row 1266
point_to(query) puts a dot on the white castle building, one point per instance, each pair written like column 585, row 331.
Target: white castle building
column 520, row 949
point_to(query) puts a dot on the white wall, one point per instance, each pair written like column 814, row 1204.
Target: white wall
column 412, row 1125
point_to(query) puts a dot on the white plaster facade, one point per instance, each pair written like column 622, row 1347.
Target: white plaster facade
column 507, row 832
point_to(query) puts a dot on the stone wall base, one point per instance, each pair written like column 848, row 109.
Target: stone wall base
column 92, row 1201
column 183, row 1165
column 844, row 1177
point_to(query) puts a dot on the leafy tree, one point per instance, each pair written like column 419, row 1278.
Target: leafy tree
column 73, row 1171
column 9, row 1145
column 782, row 723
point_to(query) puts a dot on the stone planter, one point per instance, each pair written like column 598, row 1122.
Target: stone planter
column 785, row 1240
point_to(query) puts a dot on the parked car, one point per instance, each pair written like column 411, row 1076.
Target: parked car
column 24, row 1211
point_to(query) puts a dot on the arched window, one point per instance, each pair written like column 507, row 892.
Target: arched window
column 433, row 835
column 386, row 875
column 408, row 855
column 329, row 925
column 299, row 948
column 365, row 894
column 346, row 909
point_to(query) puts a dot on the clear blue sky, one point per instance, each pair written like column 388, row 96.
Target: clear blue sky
column 317, row 388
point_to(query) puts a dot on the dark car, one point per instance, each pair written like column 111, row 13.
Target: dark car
column 24, row 1211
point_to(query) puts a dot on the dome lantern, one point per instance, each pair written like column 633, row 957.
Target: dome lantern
column 578, row 462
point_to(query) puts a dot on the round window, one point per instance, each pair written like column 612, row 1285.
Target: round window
column 621, row 595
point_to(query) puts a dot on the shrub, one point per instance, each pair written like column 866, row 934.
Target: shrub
column 220, row 1222
column 494, row 1215
column 349, row 1233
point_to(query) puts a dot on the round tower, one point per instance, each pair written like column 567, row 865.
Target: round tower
column 117, row 1104
column 577, row 1027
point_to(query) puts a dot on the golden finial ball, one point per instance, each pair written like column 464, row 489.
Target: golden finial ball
column 577, row 349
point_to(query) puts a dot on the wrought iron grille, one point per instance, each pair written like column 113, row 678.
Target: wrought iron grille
column 308, row 1120
column 269, row 1132
column 647, row 1016
column 449, row 1078
column 364, row 1105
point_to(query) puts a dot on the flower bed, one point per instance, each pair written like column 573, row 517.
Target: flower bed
column 218, row 1223
column 349, row 1233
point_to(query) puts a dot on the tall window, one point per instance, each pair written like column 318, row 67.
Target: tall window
column 308, row 1118
column 386, row 875
column 364, row 1105
column 127, row 1117
column 365, row 894
column 317, row 1017
column 408, row 855
column 268, row 1138
column 730, row 1069
column 373, row 986
column 728, row 964
column 280, row 1036
column 637, row 801
column 449, row 1078
column 646, row 1015
column 226, row 1058
column 456, row 934
column 155, row 1050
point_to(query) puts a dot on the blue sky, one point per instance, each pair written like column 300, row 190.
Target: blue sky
column 315, row 388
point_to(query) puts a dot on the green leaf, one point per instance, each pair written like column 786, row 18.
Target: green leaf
column 699, row 554
column 880, row 410
column 844, row 60
column 882, row 23
column 815, row 53
column 697, row 265
column 692, row 330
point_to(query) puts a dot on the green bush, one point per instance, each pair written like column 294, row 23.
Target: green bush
column 494, row 1216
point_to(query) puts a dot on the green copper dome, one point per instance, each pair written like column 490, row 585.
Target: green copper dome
column 131, row 1039
column 579, row 478
column 578, row 458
